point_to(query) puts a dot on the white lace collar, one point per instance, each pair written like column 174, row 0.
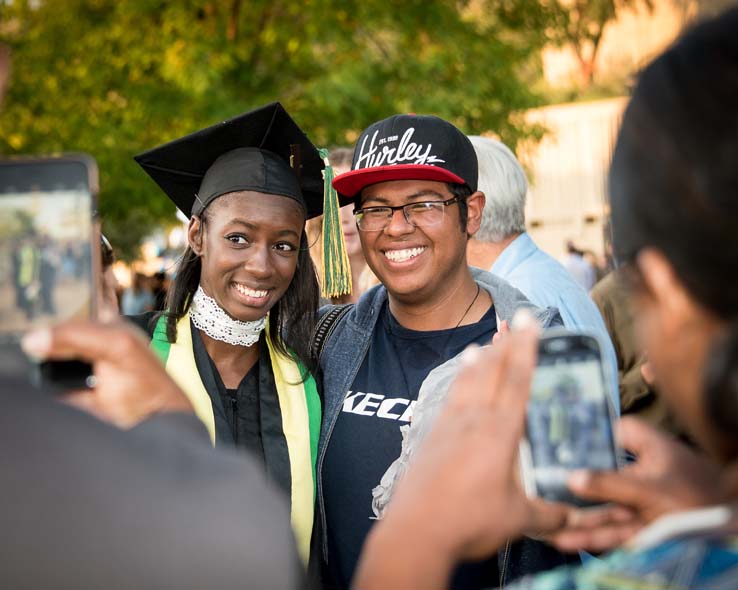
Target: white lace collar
column 212, row 319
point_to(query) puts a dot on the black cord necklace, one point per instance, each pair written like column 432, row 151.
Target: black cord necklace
column 476, row 296
column 388, row 327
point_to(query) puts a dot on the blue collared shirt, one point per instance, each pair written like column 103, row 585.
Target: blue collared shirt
column 546, row 283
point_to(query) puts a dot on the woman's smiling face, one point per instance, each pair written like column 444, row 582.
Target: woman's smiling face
column 248, row 243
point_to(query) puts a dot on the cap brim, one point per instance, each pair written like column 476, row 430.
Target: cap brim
column 349, row 184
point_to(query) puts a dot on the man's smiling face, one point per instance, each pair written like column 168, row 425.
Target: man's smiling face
column 413, row 262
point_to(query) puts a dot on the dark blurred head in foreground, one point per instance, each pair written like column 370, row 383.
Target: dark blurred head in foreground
column 674, row 198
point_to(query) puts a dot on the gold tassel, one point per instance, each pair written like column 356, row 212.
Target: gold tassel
column 336, row 266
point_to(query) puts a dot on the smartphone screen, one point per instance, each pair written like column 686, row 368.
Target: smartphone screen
column 569, row 424
column 47, row 254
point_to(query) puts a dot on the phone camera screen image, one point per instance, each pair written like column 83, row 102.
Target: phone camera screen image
column 568, row 423
column 46, row 215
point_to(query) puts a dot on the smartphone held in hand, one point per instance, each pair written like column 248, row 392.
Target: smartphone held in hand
column 49, row 251
column 569, row 423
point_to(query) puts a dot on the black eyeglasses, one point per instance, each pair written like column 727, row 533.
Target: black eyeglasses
column 421, row 214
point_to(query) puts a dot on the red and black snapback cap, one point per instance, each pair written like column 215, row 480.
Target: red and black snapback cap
column 409, row 147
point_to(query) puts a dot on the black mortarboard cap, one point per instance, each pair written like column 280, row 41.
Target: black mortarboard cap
column 263, row 150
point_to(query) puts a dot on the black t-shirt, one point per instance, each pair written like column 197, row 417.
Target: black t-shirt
column 366, row 438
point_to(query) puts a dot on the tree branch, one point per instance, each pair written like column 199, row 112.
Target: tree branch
column 235, row 11
column 4, row 69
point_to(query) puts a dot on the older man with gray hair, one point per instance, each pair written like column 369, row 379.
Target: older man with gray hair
column 503, row 246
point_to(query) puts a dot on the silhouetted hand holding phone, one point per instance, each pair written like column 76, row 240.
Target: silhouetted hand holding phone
column 130, row 383
column 667, row 477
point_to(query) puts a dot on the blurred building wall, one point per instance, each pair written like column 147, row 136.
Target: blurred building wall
column 567, row 170
column 568, row 173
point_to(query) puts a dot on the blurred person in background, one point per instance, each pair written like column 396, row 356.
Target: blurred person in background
column 68, row 261
column 598, row 264
column 503, row 246
column 108, row 283
column 638, row 392
column 674, row 202
column 160, row 284
column 26, row 274
column 138, row 298
column 50, row 261
column 361, row 275
column 580, row 269
column 15, row 250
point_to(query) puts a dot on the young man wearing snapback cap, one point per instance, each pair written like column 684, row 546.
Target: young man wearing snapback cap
column 413, row 186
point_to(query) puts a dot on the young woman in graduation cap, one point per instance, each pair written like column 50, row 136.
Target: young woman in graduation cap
column 240, row 312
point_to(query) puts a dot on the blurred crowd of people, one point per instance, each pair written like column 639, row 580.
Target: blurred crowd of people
column 242, row 423
column 37, row 265
column 146, row 293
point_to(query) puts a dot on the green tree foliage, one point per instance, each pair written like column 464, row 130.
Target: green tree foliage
column 115, row 77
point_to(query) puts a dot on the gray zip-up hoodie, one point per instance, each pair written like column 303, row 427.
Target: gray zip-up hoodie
column 342, row 356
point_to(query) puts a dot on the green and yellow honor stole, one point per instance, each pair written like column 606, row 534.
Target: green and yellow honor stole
column 299, row 405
